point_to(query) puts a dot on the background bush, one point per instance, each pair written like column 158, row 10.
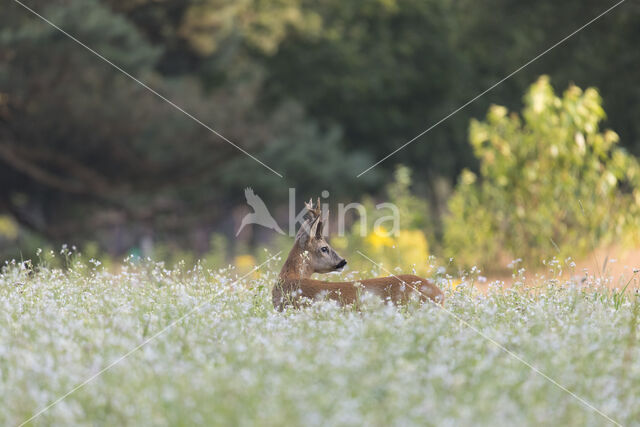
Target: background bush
column 550, row 182
column 405, row 247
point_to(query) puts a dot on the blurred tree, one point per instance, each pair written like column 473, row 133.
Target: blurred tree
column 298, row 83
column 387, row 70
column 311, row 158
column 87, row 151
column 383, row 70
column 84, row 148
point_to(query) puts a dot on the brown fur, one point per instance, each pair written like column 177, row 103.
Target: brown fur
column 294, row 283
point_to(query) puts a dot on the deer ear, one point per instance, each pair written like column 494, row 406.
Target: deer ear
column 303, row 234
column 314, row 227
column 319, row 229
column 319, row 225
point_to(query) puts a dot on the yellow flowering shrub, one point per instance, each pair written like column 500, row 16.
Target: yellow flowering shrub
column 412, row 246
column 379, row 238
column 403, row 250
column 244, row 263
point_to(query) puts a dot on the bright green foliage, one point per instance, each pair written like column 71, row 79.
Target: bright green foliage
column 549, row 181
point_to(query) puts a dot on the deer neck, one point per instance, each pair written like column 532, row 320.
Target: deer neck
column 296, row 266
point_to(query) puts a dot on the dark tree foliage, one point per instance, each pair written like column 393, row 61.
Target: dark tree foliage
column 384, row 71
column 84, row 147
column 317, row 90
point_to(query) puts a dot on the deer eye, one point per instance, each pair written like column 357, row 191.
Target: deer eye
column 324, row 249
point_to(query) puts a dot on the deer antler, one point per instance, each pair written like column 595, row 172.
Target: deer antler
column 309, row 204
column 313, row 212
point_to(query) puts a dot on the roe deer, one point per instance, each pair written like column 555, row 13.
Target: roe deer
column 312, row 254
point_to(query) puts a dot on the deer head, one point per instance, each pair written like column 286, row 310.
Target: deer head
column 318, row 256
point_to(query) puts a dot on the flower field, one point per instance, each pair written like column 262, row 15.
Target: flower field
column 233, row 360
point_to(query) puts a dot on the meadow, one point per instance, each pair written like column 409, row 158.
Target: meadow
column 216, row 353
column 446, row 137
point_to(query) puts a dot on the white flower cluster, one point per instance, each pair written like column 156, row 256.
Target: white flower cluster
column 236, row 361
